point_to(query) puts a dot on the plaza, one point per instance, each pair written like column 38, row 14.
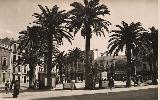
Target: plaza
column 149, row 92
column 78, row 50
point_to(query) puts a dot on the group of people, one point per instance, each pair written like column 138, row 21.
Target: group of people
column 14, row 87
column 137, row 79
column 36, row 84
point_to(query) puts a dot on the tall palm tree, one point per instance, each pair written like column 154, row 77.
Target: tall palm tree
column 75, row 55
column 150, row 39
column 128, row 37
column 153, row 38
column 29, row 44
column 52, row 21
column 87, row 19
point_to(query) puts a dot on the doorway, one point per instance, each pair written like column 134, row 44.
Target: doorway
column 4, row 77
column 24, row 79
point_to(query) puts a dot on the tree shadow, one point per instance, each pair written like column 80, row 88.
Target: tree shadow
column 149, row 94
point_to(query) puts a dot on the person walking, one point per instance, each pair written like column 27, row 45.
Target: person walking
column 123, row 78
column 111, row 83
column 72, row 85
column 16, row 89
column 11, row 85
column 36, row 84
column 7, row 87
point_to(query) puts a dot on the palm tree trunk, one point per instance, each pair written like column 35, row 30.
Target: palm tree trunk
column 45, row 63
column 75, row 73
column 60, row 72
column 150, row 65
column 49, row 62
column 88, row 74
column 31, row 74
column 129, row 66
column 67, row 74
column 155, row 69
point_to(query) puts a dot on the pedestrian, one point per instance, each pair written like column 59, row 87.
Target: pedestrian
column 72, row 85
column 7, row 87
column 123, row 78
column 139, row 80
column 35, row 84
column 111, row 83
column 11, row 85
column 94, row 83
column 16, row 89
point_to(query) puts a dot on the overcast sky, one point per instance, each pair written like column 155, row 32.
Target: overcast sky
column 15, row 15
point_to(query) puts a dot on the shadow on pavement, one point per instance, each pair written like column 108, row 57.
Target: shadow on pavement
column 7, row 97
column 149, row 94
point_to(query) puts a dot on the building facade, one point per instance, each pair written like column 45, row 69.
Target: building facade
column 5, row 60
column 79, row 67
column 18, row 72
column 117, row 66
column 8, row 58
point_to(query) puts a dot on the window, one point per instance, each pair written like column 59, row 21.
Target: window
column 107, row 63
column 18, row 57
column 19, row 69
column 14, row 70
column 14, row 48
column 4, row 63
column 25, row 79
column 25, row 70
column 4, row 77
column 14, row 58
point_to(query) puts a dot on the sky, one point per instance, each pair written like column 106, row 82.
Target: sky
column 15, row 16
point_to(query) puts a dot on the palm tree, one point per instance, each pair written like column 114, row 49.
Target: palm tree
column 153, row 38
column 60, row 63
column 69, row 66
column 75, row 55
column 128, row 37
column 150, row 40
column 29, row 44
column 87, row 19
column 52, row 21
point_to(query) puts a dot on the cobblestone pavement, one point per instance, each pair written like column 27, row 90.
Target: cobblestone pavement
column 149, row 92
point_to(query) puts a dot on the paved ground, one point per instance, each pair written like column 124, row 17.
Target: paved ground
column 149, row 92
